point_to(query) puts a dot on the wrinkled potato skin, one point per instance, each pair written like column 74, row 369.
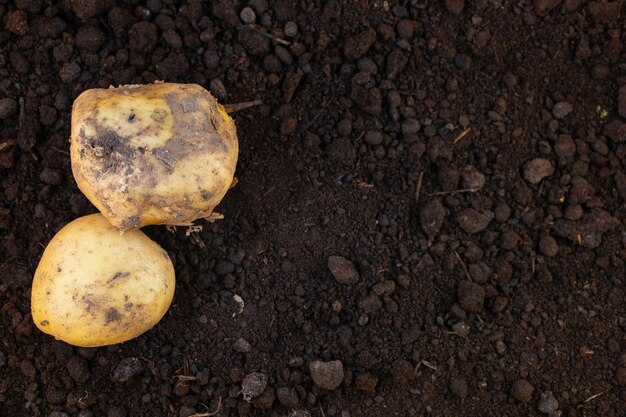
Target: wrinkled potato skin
column 96, row 287
column 152, row 154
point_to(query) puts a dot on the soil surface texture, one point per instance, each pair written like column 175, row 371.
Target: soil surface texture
column 429, row 218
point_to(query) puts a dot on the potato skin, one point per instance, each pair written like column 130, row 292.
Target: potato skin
column 162, row 153
column 95, row 286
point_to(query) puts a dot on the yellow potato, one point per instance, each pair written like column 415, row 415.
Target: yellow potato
column 95, row 286
column 152, row 154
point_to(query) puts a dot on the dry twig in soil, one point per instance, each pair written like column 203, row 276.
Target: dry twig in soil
column 461, row 135
column 463, row 190
column 418, row 187
column 235, row 107
column 207, row 413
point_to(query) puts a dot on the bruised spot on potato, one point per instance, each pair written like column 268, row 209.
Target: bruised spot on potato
column 166, row 158
column 206, row 195
column 118, row 276
column 89, row 302
column 130, row 222
column 128, row 306
column 159, row 115
column 113, row 151
column 44, row 322
column 112, row 315
column 131, row 118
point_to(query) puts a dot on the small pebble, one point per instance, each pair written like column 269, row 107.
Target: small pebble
column 548, row 245
column 405, row 28
column 573, row 212
column 455, row 6
column 522, row 390
column 366, row 383
column 69, row 72
column 357, row 45
column 127, row 368
column 241, row 345
column 561, row 109
column 288, row 397
column 247, row 15
column 327, row 375
column 216, row 85
column 463, row 61
column 291, row 29
column 471, row 178
column 471, row 296
column 616, row 130
column 374, row 137
column 78, row 369
column 474, row 221
column 90, row 38
column 411, row 126
column 16, row 21
column 173, row 39
column 565, row 149
column 600, row 72
column 537, row 169
column 8, row 107
column 432, row 215
column 255, row 43
column 396, row 62
column 253, row 385
column 370, row 303
column 343, row 270
column 458, row 387
column 547, row 403
column 367, row 64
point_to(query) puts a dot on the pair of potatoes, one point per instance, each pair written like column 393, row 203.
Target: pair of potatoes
column 143, row 155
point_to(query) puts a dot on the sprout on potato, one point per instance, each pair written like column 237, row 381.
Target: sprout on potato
column 152, row 154
column 95, row 286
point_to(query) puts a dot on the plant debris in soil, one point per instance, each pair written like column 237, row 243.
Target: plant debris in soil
column 428, row 219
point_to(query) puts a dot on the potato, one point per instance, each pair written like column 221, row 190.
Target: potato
column 95, row 286
column 152, row 154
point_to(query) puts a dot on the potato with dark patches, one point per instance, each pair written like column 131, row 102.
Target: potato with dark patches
column 152, row 154
column 95, row 286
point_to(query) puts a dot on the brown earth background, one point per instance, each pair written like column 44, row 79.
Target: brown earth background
column 490, row 261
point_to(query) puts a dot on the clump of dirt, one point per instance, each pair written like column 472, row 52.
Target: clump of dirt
column 428, row 219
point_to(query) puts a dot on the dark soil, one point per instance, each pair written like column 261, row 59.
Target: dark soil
column 481, row 271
